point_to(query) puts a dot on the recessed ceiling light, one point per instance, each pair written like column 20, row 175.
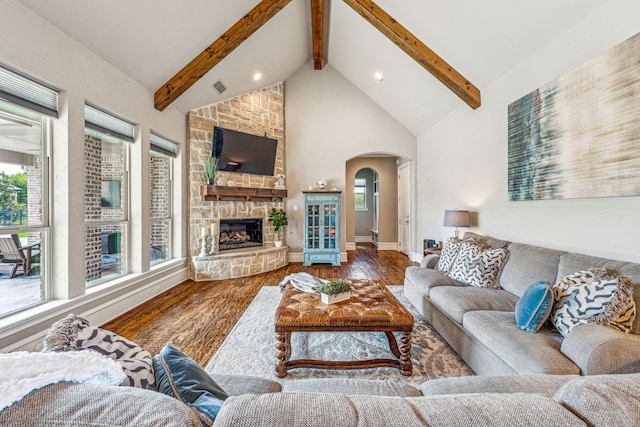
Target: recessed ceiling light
column 378, row 75
column 257, row 76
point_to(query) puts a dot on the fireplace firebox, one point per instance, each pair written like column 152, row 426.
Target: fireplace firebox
column 240, row 233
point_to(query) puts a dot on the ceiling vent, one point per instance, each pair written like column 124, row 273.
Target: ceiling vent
column 219, row 87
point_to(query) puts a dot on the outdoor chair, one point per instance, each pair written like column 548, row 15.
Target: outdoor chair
column 14, row 257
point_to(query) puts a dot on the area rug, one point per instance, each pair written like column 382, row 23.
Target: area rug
column 250, row 348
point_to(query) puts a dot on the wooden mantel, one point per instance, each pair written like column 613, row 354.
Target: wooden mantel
column 223, row 192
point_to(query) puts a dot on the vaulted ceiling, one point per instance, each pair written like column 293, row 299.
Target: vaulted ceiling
column 153, row 40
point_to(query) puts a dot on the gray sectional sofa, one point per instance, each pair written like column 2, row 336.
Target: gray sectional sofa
column 526, row 400
column 480, row 325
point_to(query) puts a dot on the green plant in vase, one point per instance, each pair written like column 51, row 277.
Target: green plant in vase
column 210, row 167
column 279, row 219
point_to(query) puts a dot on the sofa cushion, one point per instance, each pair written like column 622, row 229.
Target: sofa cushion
column 330, row 410
column 477, row 266
column 526, row 265
column 448, row 254
column 534, row 307
column 69, row 404
column 486, row 241
column 182, row 378
column 456, row 301
column 593, row 296
column 524, row 352
column 235, row 385
column 425, row 279
column 603, row 400
column 571, row 262
column 546, row 385
column 350, row 386
column 73, row 333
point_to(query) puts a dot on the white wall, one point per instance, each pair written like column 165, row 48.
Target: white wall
column 329, row 121
column 462, row 161
column 32, row 45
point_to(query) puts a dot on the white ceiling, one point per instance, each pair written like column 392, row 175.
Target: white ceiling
column 151, row 40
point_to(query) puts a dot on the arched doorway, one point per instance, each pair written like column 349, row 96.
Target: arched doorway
column 378, row 223
column 366, row 205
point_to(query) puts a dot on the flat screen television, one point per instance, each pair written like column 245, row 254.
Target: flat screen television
column 244, row 153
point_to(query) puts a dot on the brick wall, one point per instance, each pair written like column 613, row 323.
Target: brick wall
column 102, row 162
column 160, row 168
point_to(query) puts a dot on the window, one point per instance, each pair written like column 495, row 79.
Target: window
column 106, row 202
column 360, row 194
column 24, row 220
column 161, row 175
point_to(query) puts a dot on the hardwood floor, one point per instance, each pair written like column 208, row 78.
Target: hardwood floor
column 197, row 316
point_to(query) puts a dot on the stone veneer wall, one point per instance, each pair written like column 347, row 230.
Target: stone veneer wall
column 259, row 112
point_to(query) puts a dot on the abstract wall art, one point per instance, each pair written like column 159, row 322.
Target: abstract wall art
column 579, row 135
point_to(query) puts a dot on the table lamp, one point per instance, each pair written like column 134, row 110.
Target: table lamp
column 456, row 218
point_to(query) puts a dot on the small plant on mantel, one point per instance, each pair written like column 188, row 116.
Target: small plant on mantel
column 279, row 219
column 335, row 291
column 210, row 167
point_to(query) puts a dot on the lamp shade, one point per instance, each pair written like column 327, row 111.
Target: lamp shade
column 454, row 218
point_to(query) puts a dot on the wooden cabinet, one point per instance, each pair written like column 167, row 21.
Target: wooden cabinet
column 321, row 227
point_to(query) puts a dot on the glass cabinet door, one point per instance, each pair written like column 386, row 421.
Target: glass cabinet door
column 330, row 213
column 313, row 226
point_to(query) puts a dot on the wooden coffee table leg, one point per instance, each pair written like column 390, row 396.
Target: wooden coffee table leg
column 284, row 351
column 405, row 354
column 393, row 345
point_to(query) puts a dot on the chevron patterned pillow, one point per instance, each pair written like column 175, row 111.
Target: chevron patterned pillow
column 479, row 267
column 74, row 333
column 448, row 254
column 593, row 296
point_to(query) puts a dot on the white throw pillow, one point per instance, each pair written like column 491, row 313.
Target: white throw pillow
column 448, row 254
column 593, row 296
column 479, row 267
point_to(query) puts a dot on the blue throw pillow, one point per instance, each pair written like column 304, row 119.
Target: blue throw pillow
column 179, row 376
column 534, row 306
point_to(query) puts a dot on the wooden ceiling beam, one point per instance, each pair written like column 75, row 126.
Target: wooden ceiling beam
column 417, row 50
column 217, row 51
column 317, row 33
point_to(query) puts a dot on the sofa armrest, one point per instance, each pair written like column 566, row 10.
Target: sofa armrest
column 430, row 261
column 598, row 349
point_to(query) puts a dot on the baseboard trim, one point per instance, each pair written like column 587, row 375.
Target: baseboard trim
column 362, row 239
column 387, row 246
column 350, row 246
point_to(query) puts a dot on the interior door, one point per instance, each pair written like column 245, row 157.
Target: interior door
column 404, row 208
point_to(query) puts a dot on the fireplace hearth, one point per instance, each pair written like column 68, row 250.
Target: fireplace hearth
column 240, row 233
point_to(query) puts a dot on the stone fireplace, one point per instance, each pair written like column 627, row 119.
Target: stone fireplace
column 238, row 233
column 250, row 198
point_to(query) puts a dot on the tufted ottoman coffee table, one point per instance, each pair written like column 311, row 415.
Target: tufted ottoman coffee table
column 372, row 308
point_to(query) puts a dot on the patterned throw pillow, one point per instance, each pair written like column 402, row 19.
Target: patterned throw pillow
column 73, row 333
column 478, row 267
column 448, row 254
column 593, row 296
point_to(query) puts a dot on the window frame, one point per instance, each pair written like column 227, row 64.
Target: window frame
column 360, row 189
column 112, row 129
column 43, row 227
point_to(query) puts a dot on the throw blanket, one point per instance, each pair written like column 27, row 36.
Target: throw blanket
column 304, row 282
column 22, row 372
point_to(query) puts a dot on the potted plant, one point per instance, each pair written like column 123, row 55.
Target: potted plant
column 279, row 219
column 335, row 291
column 210, row 167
